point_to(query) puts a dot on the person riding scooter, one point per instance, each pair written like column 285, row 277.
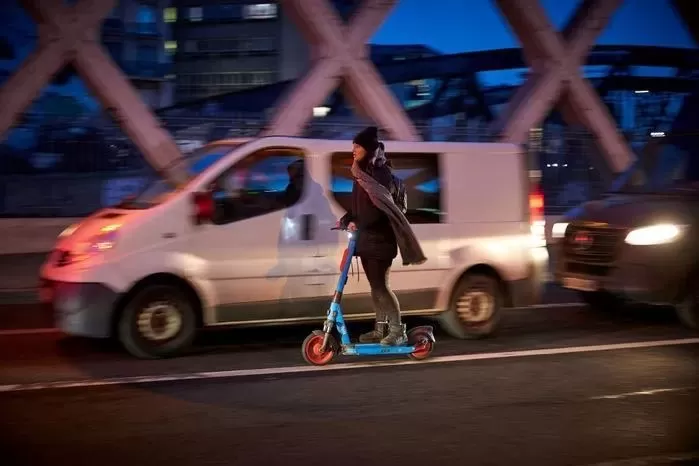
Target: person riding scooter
column 383, row 229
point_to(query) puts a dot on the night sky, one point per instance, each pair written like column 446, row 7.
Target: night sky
column 472, row 25
column 465, row 26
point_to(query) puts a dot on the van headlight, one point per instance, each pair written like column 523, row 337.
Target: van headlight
column 559, row 229
column 655, row 234
column 105, row 240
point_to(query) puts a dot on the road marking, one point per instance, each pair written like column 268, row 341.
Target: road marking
column 643, row 393
column 272, row 371
column 666, row 460
column 573, row 305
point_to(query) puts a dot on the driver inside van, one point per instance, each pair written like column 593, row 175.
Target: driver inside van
column 293, row 191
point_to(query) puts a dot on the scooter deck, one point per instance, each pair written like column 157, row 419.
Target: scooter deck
column 376, row 349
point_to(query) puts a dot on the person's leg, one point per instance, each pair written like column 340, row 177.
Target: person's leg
column 389, row 302
column 373, row 274
column 385, row 300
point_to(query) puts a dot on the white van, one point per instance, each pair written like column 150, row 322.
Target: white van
column 240, row 243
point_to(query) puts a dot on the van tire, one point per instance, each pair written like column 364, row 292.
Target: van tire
column 688, row 310
column 459, row 320
column 167, row 306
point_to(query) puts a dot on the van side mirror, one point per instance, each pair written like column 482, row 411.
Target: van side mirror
column 204, row 207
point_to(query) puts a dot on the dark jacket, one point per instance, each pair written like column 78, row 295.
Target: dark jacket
column 376, row 237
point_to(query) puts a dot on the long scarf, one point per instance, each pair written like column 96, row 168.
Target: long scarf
column 410, row 249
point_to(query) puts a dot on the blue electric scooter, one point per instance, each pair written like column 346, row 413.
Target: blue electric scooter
column 320, row 347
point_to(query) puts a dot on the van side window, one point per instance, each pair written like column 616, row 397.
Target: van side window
column 263, row 182
column 419, row 173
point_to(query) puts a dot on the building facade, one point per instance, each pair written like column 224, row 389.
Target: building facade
column 226, row 46
column 136, row 35
column 223, row 47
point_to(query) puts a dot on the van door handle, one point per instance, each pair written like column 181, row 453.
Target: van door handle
column 308, row 227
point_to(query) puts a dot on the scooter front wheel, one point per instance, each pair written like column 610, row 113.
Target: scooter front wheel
column 312, row 352
column 423, row 341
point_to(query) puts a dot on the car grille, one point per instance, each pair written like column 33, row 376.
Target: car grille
column 591, row 250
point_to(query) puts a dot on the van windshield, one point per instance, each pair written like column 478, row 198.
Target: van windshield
column 664, row 168
column 158, row 189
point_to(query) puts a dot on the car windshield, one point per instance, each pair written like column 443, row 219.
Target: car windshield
column 158, row 189
column 663, row 167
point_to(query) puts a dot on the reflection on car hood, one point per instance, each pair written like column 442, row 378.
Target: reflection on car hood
column 629, row 210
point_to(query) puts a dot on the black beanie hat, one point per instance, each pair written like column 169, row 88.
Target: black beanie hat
column 368, row 138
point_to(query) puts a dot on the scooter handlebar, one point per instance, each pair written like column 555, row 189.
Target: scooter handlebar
column 340, row 228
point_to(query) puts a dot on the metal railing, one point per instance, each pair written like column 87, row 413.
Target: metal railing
column 60, row 166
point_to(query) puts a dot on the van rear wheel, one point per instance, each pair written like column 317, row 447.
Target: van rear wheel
column 475, row 307
column 158, row 322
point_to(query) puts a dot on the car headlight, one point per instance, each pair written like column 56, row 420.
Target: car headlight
column 559, row 229
column 103, row 241
column 654, row 234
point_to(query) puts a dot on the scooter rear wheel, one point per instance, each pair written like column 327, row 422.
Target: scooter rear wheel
column 311, row 349
column 423, row 345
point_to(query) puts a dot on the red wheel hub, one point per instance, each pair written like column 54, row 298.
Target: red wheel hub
column 314, row 353
column 422, row 348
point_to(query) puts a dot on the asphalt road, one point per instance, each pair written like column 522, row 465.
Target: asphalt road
column 557, row 386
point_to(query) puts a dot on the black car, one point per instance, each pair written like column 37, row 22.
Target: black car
column 638, row 242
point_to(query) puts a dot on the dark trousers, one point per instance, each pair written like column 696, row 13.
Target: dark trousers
column 385, row 302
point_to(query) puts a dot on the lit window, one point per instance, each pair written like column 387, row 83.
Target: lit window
column 260, row 11
column 170, row 46
column 170, row 15
column 195, row 13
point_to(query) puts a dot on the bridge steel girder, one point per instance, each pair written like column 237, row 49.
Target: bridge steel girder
column 555, row 61
column 70, row 34
column 339, row 55
column 688, row 10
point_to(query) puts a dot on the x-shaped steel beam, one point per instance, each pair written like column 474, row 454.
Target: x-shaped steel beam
column 339, row 55
column 556, row 60
column 70, row 34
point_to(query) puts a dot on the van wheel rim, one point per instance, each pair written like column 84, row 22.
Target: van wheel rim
column 159, row 322
column 474, row 307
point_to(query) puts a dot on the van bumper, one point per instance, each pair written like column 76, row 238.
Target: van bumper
column 80, row 309
column 530, row 291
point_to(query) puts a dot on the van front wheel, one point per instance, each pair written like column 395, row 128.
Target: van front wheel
column 158, row 322
column 475, row 307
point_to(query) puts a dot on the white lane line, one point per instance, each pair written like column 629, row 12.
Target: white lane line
column 620, row 396
column 651, row 460
column 53, row 330
column 273, row 371
column 573, row 305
